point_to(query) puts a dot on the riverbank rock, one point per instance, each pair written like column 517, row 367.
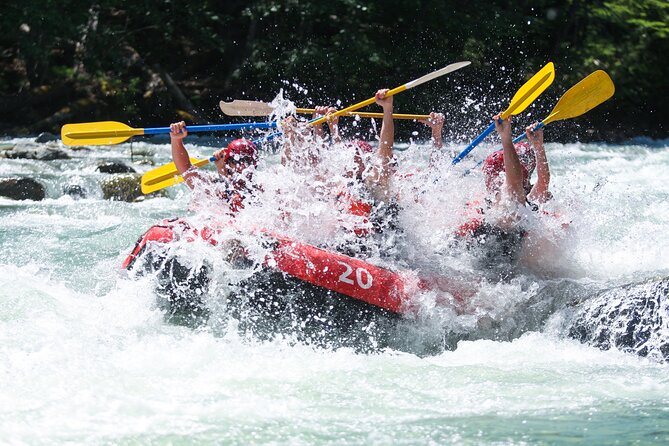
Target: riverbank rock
column 22, row 189
column 31, row 152
column 113, row 167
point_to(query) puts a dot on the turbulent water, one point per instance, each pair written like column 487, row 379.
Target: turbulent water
column 86, row 356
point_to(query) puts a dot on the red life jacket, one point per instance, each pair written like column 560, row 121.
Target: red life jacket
column 350, row 205
column 475, row 214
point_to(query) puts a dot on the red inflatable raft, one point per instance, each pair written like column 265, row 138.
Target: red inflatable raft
column 346, row 276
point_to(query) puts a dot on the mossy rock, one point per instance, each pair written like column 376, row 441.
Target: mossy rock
column 126, row 187
column 122, row 187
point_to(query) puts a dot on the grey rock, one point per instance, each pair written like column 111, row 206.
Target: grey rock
column 34, row 153
column 633, row 318
column 75, row 191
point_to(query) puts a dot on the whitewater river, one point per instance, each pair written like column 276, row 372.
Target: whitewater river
column 87, row 358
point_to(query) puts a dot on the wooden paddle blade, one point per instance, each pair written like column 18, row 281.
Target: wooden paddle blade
column 435, row 74
column 166, row 176
column 583, row 97
column 531, row 90
column 240, row 107
column 97, row 133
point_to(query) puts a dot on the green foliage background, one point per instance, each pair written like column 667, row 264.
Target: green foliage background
column 76, row 60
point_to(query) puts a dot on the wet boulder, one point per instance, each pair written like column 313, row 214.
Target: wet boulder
column 122, row 187
column 75, row 191
column 633, row 318
column 46, row 137
column 114, row 167
column 22, row 189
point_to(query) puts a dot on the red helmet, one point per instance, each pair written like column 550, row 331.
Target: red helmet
column 241, row 149
column 363, row 146
column 493, row 166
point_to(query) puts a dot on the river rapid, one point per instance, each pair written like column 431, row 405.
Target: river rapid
column 86, row 356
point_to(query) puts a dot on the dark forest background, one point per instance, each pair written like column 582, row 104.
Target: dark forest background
column 148, row 63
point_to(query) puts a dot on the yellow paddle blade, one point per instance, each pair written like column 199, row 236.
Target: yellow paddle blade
column 158, row 185
column 240, row 107
column 583, row 97
column 97, row 133
column 165, row 176
column 530, row 90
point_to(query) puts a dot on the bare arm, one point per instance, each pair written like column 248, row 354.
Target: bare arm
column 288, row 126
column 539, row 192
column 178, row 132
column 386, row 143
column 333, row 123
column 436, row 123
column 512, row 167
column 319, row 113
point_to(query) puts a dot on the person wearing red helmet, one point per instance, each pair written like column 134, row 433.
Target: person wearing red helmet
column 496, row 230
column 500, row 229
column 530, row 160
column 368, row 193
column 235, row 165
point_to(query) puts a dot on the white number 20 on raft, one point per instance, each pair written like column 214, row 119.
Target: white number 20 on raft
column 363, row 278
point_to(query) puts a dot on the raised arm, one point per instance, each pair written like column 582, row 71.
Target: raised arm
column 386, row 143
column 436, row 123
column 512, row 167
column 539, row 192
column 178, row 132
column 333, row 124
column 288, row 126
column 319, row 130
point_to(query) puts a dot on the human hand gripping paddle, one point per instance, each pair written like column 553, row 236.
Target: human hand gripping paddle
column 112, row 132
column 168, row 175
column 240, row 107
column 521, row 100
column 591, row 91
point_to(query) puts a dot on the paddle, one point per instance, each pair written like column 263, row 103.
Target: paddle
column 414, row 83
column 240, row 107
column 111, row 132
column 521, row 100
column 168, row 175
column 591, row 91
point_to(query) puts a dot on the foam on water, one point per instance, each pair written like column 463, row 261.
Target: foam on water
column 106, row 368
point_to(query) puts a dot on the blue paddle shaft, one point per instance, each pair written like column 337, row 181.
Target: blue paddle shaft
column 213, row 127
column 473, row 144
column 519, row 138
